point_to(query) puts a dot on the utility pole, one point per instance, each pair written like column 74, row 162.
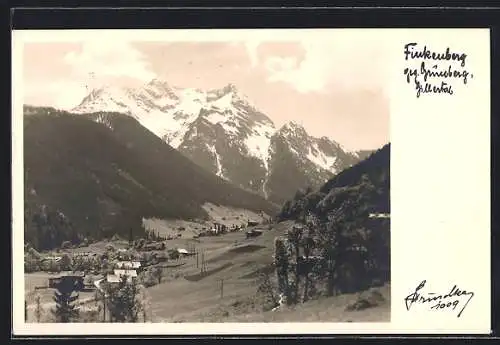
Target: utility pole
column 222, row 288
column 196, row 259
column 202, row 262
column 104, row 308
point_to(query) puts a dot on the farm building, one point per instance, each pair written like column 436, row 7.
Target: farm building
column 128, row 265
column 253, row 233
column 116, row 277
column 184, row 252
column 379, row 215
column 128, row 273
column 52, row 258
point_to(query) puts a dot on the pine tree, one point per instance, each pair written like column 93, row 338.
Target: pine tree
column 329, row 246
column 308, row 245
column 65, row 297
column 281, row 264
column 294, row 238
column 124, row 301
column 130, row 237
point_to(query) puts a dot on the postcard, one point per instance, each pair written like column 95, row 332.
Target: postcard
column 263, row 181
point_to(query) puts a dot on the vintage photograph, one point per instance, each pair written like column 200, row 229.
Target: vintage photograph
column 238, row 180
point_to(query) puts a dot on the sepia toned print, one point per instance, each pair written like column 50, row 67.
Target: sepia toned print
column 230, row 181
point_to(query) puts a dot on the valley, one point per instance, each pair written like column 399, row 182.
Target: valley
column 231, row 258
column 104, row 192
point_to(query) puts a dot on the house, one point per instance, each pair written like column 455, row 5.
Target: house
column 128, row 273
column 135, row 265
column 117, row 275
column 379, row 215
column 52, row 258
column 184, row 252
column 253, row 233
column 156, row 245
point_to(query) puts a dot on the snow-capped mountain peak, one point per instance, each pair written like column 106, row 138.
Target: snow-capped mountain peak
column 222, row 131
column 293, row 129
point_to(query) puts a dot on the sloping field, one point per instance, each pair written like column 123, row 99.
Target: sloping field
column 332, row 309
column 235, row 263
column 228, row 216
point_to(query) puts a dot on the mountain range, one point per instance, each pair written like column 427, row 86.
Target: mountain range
column 221, row 131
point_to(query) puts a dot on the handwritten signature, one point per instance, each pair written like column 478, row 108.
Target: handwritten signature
column 448, row 301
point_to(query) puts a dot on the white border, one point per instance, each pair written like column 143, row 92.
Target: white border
column 407, row 116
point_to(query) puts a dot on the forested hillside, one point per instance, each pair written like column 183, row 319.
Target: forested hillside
column 340, row 243
column 98, row 175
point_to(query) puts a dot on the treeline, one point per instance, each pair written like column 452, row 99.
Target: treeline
column 337, row 247
column 46, row 228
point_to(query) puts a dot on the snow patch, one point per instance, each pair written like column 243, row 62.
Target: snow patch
column 225, row 102
column 215, row 118
column 318, row 157
column 102, row 120
column 219, row 172
column 258, row 143
column 221, row 119
column 229, row 128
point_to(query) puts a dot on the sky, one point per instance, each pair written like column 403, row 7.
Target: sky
column 334, row 87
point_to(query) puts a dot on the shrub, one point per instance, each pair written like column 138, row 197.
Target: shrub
column 365, row 300
column 66, row 262
column 147, row 278
column 267, row 290
column 173, row 254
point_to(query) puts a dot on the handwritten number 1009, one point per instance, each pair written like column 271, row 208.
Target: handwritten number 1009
column 441, row 305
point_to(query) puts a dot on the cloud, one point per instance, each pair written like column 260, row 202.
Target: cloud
column 252, row 51
column 69, row 94
column 336, row 61
column 61, row 94
column 109, row 58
